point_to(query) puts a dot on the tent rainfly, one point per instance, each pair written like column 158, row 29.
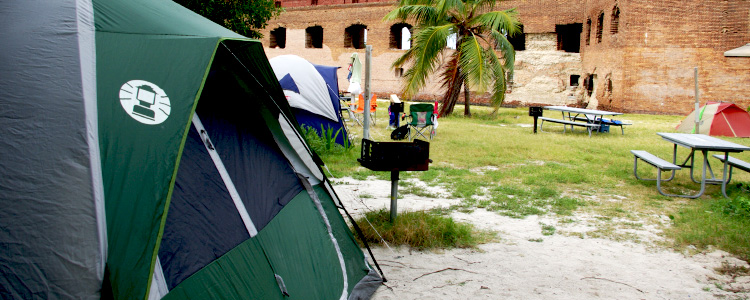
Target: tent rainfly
column 718, row 119
column 149, row 153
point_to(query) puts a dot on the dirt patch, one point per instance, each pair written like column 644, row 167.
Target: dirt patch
column 529, row 263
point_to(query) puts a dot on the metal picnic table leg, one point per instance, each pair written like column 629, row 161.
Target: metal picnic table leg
column 706, row 165
column 657, row 179
column 724, row 178
column 703, row 182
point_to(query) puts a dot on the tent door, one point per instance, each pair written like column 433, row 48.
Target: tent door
column 251, row 230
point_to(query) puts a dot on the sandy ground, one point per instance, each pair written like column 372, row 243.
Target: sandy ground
column 525, row 264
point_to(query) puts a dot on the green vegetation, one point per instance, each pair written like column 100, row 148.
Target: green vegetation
column 495, row 162
column 421, row 230
column 243, row 17
column 323, row 141
column 719, row 222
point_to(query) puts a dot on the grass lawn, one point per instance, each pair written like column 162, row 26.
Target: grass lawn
column 520, row 173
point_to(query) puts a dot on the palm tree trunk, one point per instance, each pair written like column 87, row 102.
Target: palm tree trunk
column 451, row 97
column 467, row 100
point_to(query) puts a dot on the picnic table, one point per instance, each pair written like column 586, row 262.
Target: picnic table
column 695, row 142
column 591, row 119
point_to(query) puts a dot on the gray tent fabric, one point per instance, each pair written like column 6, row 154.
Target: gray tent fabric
column 51, row 186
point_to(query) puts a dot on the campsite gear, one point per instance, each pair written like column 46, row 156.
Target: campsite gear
column 394, row 111
column 360, row 110
column 176, row 128
column 400, row 133
column 395, row 157
column 718, row 119
column 422, row 119
column 355, row 75
column 312, row 92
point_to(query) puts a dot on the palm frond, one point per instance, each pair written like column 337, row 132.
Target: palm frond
column 503, row 21
column 473, row 64
column 498, row 73
column 446, row 6
column 428, row 43
column 404, row 58
column 415, row 2
column 484, row 5
column 506, row 49
column 421, row 15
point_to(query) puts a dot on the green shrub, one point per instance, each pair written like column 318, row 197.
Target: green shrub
column 421, row 230
column 324, row 140
column 738, row 206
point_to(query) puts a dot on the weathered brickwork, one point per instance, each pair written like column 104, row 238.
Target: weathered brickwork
column 651, row 59
column 644, row 63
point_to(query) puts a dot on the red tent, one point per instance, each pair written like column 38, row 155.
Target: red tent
column 718, row 118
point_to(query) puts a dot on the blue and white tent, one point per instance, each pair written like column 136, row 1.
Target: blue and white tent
column 312, row 92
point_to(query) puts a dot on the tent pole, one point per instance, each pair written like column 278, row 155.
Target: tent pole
column 697, row 101
column 394, row 195
column 368, row 93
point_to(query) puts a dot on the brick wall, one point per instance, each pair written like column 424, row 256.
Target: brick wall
column 651, row 60
column 647, row 66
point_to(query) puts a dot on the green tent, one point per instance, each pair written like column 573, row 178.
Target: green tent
column 191, row 178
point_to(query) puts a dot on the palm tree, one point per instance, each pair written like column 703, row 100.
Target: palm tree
column 474, row 63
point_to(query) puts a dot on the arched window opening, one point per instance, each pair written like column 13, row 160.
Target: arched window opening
column 588, row 31
column 451, row 40
column 614, row 25
column 400, row 36
column 355, row 36
column 599, row 28
column 278, row 38
column 314, row 37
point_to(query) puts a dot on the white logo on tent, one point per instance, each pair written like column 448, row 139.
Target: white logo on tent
column 145, row 102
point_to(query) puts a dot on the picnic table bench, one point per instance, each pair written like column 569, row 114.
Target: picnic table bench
column 733, row 162
column 657, row 162
column 589, row 126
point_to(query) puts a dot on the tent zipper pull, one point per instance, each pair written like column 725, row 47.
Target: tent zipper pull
column 282, row 286
column 206, row 140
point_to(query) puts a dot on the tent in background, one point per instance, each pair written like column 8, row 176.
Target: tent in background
column 718, row 119
column 312, row 92
column 176, row 129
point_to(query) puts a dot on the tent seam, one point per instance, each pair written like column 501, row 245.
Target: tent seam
column 174, row 174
